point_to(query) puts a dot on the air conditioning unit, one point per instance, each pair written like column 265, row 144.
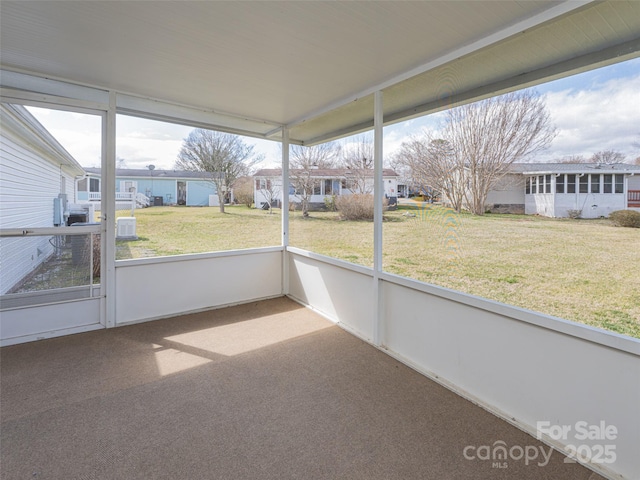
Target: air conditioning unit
column 126, row 228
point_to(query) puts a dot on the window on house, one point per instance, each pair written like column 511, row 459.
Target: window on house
column 94, row 184
column 571, row 183
column 595, row 183
column 263, row 184
column 317, row 188
column 328, row 184
column 347, row 184
column 619, row 183
column 584, row 184
column 527, row 188
column 607, row 184
column 547, row 184
column 129, row 186
column 541, row 184
column 560, row 183
column 336, row 186
column 534, row 185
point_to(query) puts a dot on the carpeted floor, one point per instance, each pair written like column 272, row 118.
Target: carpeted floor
column 267, row 390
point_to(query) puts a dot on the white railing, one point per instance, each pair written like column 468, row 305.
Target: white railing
column 96, row 196
column 140, row 200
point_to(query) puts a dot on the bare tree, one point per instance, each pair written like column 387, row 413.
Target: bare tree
column 477, row 145
column 399, row 165
column 243, row 190
column 636, row 145
column 488, row 136
column 434, row 167
column 270, row 191
column 607, row 157
column 357, row 158
column 574, row 159
column 220, row 158
column 304, row 161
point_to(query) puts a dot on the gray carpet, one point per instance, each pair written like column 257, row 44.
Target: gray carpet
column 267, row 390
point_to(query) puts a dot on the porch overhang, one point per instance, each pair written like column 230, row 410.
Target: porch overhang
column 254, row 67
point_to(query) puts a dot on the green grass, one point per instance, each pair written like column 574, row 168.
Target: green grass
column 178, row 230
column 581, row 270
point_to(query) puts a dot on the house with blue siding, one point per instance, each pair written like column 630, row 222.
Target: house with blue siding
column 161, row 187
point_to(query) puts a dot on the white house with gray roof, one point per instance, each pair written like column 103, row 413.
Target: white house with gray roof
column 589, row 190
column 326, row 182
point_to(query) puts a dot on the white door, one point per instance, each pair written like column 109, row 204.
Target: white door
column 51, row 248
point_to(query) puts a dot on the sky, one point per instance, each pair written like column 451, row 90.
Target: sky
column 593, row 111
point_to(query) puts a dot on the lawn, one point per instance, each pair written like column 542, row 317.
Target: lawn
column 581, row 270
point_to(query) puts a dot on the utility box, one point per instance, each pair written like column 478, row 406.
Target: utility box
column 158, row 201
column 126, row 228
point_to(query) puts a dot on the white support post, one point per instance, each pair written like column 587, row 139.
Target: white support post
column 285, row 210
column 108, row 186
column 378, row 194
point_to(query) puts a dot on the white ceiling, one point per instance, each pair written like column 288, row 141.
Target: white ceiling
column 313, row 65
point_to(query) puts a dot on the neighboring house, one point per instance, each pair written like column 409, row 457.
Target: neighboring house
column 589, row 190
column 37, row 176
column 327, row 182
column 160, row 187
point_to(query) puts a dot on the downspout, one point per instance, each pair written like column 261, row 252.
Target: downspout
column 578, row 177
column 554, row 192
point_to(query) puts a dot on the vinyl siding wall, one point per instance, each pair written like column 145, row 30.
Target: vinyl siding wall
column 28, row 184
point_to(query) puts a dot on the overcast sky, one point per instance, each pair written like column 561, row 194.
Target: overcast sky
column 593, row 111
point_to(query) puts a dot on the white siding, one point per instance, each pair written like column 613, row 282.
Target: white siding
column 592, row 205
column 508, row 190
column 28, row 185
